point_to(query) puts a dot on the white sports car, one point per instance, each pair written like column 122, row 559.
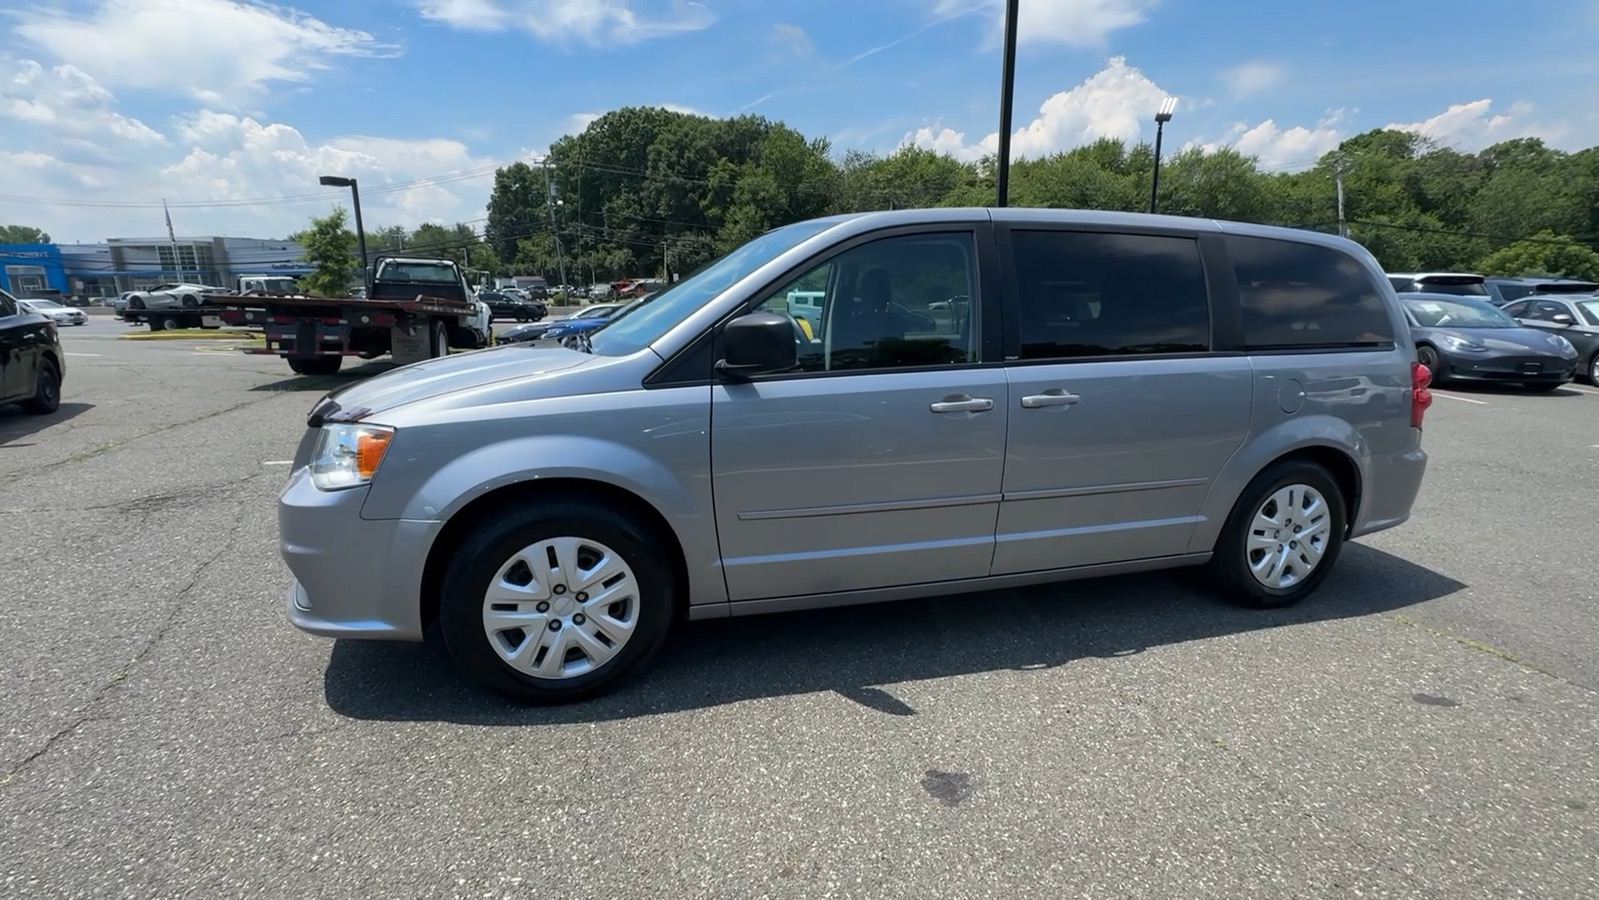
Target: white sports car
column 171, row 296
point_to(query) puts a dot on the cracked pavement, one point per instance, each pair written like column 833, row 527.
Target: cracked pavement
column 1426, row 727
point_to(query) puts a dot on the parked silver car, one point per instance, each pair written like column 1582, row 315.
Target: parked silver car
column 1121, row 393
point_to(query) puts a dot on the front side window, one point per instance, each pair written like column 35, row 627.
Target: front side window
column 1085, row 294
column 1299, row 295
column 1546, row 310
column 1436, row 312
column 893, row 303
column 1589, row 310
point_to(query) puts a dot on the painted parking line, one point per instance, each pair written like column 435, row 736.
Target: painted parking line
column 1461, row 399
column 278, row 462
column 70, row 353
column 1582, row 390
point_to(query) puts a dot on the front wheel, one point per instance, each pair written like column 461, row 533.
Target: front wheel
column 556, row 602
column 438, row 339
column 1282, row 538
column 1593, row 369
column 168, row 323
column 1428, row 356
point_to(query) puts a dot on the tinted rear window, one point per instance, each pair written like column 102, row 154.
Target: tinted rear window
column 1458, row 285
column 1305, row 295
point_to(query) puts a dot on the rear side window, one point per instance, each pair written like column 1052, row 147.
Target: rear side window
column 1299, row 295
column 1460, row 286
column 1090, row 294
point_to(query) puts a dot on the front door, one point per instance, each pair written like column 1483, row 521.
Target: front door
column 17, row 350
column 878, row 463
column 1119, row 421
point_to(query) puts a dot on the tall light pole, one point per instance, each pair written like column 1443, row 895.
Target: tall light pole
column 1007, row 94
column 360, row 230
column 1167, row 107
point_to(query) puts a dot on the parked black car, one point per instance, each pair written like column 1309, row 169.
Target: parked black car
column 1575, row 318
column 1469, row 339
column 1504, row 289
column 506, row 306
column 31, row 361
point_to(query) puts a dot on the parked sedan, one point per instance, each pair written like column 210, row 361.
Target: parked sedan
column 1574, row 318
column 1469, row 339
column 534, row 331
column 506, row 305
column 63, row 314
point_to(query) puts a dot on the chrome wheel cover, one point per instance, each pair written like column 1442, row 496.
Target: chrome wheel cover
column 561, row 608
column 1288, row 536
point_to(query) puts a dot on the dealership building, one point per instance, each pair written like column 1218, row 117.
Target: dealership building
column 83, row 272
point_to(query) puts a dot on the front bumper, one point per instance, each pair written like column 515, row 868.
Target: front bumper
column 1520, row 368
column 353, row 577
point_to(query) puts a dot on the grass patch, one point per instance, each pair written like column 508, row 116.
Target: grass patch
column 190, row 334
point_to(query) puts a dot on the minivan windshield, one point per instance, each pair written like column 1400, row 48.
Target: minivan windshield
column 1461, row 285
column 1462, row 313
column 660, row 312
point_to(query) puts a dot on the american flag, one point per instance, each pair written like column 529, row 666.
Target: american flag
column 171, row 235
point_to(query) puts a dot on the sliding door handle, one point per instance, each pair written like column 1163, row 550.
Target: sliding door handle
column 962, row 403
column 1051, row 397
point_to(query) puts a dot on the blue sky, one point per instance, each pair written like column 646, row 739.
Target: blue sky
column 229, row 109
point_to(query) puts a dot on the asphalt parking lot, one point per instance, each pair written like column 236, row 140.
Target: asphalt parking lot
column 1427, row 726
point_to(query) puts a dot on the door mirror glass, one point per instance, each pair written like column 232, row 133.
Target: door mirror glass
column 758, row 344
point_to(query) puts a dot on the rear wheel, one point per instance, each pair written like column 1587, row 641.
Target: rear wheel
column 156, row 325
column 168, row 323
column 191, row 302
column 316, row 365
column 46, row 397
column 1282, row 538
column 556, row 602
column 438, row 339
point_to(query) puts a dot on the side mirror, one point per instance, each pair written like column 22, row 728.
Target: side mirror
column 1563, row 319
column 757, row 344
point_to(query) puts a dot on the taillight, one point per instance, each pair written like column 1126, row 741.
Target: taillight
column 1420, row 394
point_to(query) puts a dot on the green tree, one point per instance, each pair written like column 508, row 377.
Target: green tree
column 1545, row 253
column 23, row 234
column 329, row 247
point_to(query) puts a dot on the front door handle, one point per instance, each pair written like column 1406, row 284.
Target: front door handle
column 1051, row 397
column 962, row 403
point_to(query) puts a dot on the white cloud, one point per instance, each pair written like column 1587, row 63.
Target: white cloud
column 1252, row 78
column 596, row 22
column 1285, row 149
column 1469, row 127
column 1075, row 23
column 793, row 37
column 244, row 176
column 71, row 104
column 219, row 51
column 1116, row 102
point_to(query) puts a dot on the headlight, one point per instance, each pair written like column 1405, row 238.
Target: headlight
column 1564, row 345
column 1462, row 344
column 347, row 455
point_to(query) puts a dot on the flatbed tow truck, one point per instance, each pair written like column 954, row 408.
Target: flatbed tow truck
column 415, row 309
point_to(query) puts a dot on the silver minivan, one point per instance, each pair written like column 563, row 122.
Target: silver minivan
column 988, row 398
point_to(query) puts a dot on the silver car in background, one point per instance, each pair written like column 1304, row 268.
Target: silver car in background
column 1120, row 393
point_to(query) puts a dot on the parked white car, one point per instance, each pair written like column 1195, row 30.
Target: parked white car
column 63, row 314
column 172, row 296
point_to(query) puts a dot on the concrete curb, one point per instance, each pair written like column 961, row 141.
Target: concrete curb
column 191, row 334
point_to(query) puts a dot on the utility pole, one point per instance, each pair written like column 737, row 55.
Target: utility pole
column 555, row 235
column 1338, row 176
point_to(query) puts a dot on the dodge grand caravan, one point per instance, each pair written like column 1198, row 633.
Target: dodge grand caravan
column 1115, row 393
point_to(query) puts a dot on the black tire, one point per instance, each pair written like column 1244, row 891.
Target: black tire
column 438, row 339
column 136, row 303
column 478, row 558
column 168, row 323
column 191, row 302
column 1228, row 570
column 523, row 315
column 316, row 365
column 46, row 397
column 1427, row 355
column 1593, row 369
column 155, row 324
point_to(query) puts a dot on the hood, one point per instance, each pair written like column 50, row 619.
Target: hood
column 446, row 375
column 1505, row 340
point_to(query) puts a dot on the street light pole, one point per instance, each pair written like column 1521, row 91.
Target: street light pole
column 1167, row 107
column 360, row 229
column 1007, row 94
